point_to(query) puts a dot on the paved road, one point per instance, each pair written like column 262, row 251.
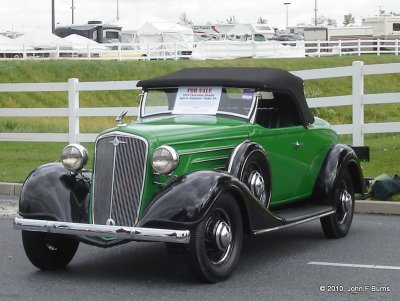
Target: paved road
column 272, row 267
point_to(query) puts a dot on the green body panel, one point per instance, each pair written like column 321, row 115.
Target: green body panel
column 206, row 143
column 296, row 155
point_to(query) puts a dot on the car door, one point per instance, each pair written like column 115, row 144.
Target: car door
column 290, row 156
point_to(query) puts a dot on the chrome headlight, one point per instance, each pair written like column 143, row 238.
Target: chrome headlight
column 74, row 157
column 165, row 159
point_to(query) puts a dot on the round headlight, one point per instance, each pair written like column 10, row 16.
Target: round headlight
column 165, row 159
column 74, row 157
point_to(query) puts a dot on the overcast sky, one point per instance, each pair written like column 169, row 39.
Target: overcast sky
column 24, row 15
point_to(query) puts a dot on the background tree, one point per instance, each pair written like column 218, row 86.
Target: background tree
column 184, row 20
column 394, row 14
column 331, row 22
column 231, row 20
column 261, row 20
column 322, row 20
column 348, row 19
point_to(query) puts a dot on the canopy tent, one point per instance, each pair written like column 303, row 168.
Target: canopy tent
column 78, row 42
column 41, row 39
column 8, row 44
column 135, row 21
column 164, row 32
column 240, row 31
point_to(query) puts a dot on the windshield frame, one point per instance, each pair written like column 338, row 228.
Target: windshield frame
column 249, row 116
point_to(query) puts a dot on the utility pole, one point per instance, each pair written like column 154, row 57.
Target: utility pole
column 316, row 14
column 287, row 13
column 72, row 9
column 53, row 18
column 117, row 10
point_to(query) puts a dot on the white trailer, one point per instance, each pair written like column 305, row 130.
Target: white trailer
column 384, row 26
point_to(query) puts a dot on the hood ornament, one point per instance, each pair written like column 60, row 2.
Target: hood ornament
column 120, row 118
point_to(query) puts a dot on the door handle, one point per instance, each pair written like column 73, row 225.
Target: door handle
column 298, row 144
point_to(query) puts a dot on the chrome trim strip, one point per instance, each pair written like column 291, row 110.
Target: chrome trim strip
column 113, row 179
column 294, row 224
column 210, row 159
column 211, row 149
column 233, row 155
column 131, row 233
column 122, row 134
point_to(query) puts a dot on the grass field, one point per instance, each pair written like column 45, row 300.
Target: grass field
column 18, row 159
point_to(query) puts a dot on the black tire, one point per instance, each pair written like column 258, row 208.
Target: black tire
column 216, row 241
column 255, row 175
column 49, row 251
column 337, row 225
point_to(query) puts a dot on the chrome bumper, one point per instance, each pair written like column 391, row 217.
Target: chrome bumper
column 132, row 233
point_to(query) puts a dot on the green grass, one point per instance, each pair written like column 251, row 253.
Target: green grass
column 19, row 158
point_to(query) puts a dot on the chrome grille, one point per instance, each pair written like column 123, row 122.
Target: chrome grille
column 118, row 179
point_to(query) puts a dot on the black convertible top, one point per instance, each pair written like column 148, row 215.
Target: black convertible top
column 268, row 79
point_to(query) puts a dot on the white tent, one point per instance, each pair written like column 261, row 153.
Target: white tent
column 240, row 31
column 8, row 44
column 78, row 42
column 41, row 39
column 165, row 32
column 134, row 22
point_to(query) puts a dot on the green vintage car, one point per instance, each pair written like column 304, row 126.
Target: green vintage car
column 215, row 153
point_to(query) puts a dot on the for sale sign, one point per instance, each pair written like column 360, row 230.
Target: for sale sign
column 197, row 100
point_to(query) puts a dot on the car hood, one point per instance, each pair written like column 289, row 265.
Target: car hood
column 187, row 129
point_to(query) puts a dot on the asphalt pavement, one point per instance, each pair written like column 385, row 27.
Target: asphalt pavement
column 296, row 263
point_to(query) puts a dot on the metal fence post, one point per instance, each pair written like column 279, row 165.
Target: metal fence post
column 358, row 106
column 73, row 106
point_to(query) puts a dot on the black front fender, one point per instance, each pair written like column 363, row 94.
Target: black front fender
column 51, row 192
column 185, row 202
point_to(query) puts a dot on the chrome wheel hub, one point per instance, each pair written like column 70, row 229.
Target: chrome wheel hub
column 257, row 186
column 346, row 205
column 218, row 237
column 223, row 236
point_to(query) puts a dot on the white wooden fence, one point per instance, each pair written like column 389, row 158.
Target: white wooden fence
column 207, row 50
column 357, row 100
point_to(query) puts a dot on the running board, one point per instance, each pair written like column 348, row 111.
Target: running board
column 298, row 222
column 295, row 214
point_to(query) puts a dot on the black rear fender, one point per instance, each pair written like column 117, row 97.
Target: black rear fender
column 339, row 158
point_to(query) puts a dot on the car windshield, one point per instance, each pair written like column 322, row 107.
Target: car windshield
column 199, row 100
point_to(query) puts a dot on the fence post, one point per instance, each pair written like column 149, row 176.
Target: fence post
column 358, row 106
column 119, row 52
column 24, row 51
column 88, row 51
column 378, row 47
column 397, row 47
column 58, row 51
column 73, row 106
column 340, row 48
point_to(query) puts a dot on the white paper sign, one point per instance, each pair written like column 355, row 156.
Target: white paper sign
column 197, row 100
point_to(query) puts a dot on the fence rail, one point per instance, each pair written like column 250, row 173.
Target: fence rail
column 207, row 50
column 357, row 100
